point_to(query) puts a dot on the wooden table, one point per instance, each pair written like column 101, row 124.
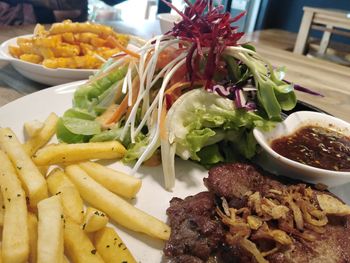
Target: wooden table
column 327, row 78
column 7, row 93
column 330, row 79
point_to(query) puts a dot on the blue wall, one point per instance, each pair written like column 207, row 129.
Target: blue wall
column 287, row 14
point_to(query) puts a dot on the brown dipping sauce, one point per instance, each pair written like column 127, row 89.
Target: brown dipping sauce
column 316, row 146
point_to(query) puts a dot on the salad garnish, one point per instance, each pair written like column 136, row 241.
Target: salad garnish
column 194, row 92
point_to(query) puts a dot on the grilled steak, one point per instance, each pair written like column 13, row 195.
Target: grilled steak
column 240, row 185
column 196, row 232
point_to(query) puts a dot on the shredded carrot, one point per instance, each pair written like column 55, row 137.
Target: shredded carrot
column 135, row 92
column 182, row 85
column 123, row 106
column 118, row 92
column 106, row 115
column 124, row 49
column 102, row 75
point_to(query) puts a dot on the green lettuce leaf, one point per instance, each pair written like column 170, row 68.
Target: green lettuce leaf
column 210, row 155
column 79, row 113
column 64, row 135
column 112, row 135
column 136, row 149
column 199, row 119
column 74, row 130
column 87, row 95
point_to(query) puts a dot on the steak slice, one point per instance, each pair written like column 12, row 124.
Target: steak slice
column 233, row 181
column 196, row 232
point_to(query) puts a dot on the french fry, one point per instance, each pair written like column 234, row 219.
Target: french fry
column 32, row 180
column 108, row 53
column 43, row 169
column 115, row 181
column 94, row 220
column 33, row 237
column 27, row 48
column 45, row 52
column 15, row 237
column 87, row 62
column 32, row 128
column 2, row 209
column 66, row 50
column 23, row 40
column 43, row 136
column 72, row 203
column 39, row 31
column 68, row 37
column 67, row 153
column 50, row 230
column 15, row 51
column 98, row 42
column 86, row 37
column 59, row 28
column 47, row 42
column 111, row 248
column 33, row 58
column 86, row 49
column 78, row 246
column 70, row 45
column 115, row 207
column 57, row 179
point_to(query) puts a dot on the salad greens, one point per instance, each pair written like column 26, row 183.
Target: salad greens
column 193, row 92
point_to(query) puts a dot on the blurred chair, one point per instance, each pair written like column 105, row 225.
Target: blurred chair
column 326, row 20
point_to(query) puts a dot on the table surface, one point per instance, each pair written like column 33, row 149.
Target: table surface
column 327, row 78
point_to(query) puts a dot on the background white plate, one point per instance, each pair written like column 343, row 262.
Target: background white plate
column 40, row 73
column 152, row 197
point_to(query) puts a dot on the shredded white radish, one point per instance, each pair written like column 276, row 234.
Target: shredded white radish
column 150, row 69
column 155, row 138
column 129, row 79
column 149, row 109
column 145, row 69
column 154, row 103
column 100, row 58
column 115, row 64
column 149, row 72
column 142, row 95
column 125, row 85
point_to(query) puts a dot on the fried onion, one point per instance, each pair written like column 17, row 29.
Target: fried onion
column 299, row 212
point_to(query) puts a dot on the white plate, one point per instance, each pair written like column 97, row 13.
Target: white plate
column 152, row 197
column 40, row 73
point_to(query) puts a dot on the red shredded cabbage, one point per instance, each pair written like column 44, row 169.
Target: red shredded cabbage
column 303, row 89
column 169, row 101
column 205, row 29
column 250, row 106
column 221, row 90
column 238, row 101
